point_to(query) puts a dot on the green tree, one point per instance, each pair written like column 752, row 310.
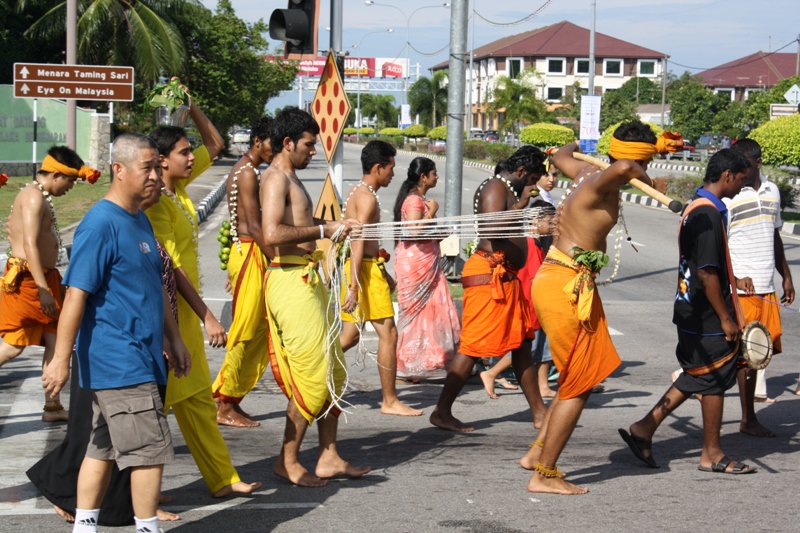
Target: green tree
column 694, row 109
column 379, row 106
column 516, row 99
column 20, row 48
column 616, row 108
column 141, row 34
column 757, row 106
column 428, row 98
column 640, row 91
column 228, row 73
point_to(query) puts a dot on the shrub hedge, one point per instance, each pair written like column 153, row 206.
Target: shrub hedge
column 545, row 134
column 780, row 140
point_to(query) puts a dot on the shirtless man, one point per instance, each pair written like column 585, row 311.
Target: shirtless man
column 373, row 301
column 246, row 357
column 296, row 300
column 577, row 331
column 31, row 294
column 496, row 318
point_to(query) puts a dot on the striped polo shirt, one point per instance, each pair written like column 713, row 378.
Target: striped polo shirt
column 753, row 217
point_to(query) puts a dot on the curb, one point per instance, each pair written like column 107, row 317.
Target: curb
column 210, row 202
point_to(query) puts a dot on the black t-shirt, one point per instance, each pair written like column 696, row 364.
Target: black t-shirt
column 702, row 244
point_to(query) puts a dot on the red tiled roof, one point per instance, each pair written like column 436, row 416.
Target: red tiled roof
column 759, row 69
column 562, row 39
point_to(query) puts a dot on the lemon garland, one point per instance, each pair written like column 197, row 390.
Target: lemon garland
column 224, row 238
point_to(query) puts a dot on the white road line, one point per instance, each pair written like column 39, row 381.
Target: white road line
column 217, row 299
column 637, row 243
column 612, row 331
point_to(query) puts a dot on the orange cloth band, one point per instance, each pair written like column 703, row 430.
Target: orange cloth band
column 639, row 151
column 85, row 173
column 3, row 179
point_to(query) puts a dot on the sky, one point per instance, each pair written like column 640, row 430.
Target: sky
column 695, row 33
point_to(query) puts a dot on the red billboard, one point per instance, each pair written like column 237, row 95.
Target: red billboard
column 368, row 67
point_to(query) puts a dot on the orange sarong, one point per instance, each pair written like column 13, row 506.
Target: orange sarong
column 22, row 322
column 765, row 311
column 571, row 313
column 496, row 317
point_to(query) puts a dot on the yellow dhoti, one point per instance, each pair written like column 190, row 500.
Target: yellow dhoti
column 246, row 357
column 374, row 297
column 299, row 321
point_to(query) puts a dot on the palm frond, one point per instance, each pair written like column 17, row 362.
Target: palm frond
column 51, row 25
column 170, row 42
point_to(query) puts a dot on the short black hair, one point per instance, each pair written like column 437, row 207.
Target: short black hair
column 291, row 122
column 166, row 137
column 65, row 156
column 529, row 157
column 376, row 153
column 725, row 159
column 748, row 147
column 261, row 130
column 633, row 131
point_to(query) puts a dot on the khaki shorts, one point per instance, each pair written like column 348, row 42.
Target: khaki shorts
column 129, row 426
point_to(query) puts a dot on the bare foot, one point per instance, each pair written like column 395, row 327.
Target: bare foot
column 166, row 516
column 755, row 429
column 547, row 392
column 398, row 408
column 553, row 485
column 529, row 460
column 55, row 416
column 228, row 415
column 240, row 487
column 488, row 385
column 340, row 468
column 449, row 423
column 764, row 399
column 407, row 381
column 63, row 514
column 238, row 408
column 295, row 473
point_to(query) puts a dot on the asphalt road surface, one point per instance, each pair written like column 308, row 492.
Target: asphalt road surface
column 426, row 479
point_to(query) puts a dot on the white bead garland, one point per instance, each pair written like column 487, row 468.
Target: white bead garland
column 361, row 183
column 56, row 229
column 233, row 203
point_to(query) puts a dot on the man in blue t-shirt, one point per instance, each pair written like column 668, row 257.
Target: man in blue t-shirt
column 116, row 308
column 707, row 315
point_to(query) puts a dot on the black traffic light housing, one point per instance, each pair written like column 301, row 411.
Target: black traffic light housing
column 297, row 27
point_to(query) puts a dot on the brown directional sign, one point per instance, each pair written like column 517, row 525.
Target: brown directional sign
column 73, row 82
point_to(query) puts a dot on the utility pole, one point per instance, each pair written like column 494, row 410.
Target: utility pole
column 72, row 59
column 591, row 48
column 336, row 169
column 455, row 107
column 471, row 76
column 663, row 89
column 797, row 64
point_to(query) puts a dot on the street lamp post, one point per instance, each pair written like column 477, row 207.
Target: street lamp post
column 408, row 33
column 358, row 87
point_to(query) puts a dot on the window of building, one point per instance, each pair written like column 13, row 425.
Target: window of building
column 647, row 67
column 581, row 66
column 612, row 67
column 750, row 91
column 727, row 93
column 513, row 67
column 556, row 65
column 554, row 93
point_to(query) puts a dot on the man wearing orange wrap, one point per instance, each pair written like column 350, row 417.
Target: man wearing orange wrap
column 497, row 316
column 246, row 357
column 566, row 299
column 31, row 294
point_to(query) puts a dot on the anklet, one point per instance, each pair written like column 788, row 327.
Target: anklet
column 548, row 471
column 539, row 443
column 53, row 407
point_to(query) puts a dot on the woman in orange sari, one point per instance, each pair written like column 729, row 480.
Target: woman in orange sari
column 428, row 325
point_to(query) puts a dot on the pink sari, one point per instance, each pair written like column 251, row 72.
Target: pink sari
column 428, row 325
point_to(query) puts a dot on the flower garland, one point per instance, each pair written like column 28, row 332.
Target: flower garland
column 353, row 190
column 232, row 204
column 56, row 229
column 192, row 221
column 477, row 202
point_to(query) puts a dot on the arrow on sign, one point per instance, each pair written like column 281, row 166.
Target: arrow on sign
column 25, row 89
column 24, row 72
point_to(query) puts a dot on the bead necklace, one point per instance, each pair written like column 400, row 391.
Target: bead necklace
column 232, row 203
column 192, row 222
column 478, row 198
column 353, row 190
column 56, row 229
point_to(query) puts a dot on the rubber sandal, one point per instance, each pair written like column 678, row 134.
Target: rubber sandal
column 721, row 467
column 637, row 446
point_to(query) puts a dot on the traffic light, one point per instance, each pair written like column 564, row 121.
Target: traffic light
column 297, row 27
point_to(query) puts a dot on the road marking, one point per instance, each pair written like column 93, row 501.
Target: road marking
column 612, row 331
column 202, row 186
column 217, row 299
column 28, row 507
column 637, row 243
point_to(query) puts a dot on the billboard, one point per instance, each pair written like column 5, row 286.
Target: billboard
column 366, row 67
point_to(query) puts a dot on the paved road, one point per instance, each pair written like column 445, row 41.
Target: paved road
column 425, row 479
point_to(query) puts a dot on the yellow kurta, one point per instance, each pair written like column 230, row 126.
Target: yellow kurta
column 247, row 357
column 190, row 396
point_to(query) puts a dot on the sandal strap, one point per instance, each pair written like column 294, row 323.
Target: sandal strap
column 722, row 464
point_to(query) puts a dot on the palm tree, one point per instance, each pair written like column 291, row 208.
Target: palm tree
column 428, row 98
column 380, row 106
column 139, row 33
column 516, row 99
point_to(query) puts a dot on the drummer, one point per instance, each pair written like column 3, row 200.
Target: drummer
column 707, row 315
column 757, row 251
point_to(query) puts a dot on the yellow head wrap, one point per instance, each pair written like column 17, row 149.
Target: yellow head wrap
column 85, row 173
column 639, row 151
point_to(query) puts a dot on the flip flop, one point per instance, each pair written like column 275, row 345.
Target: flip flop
column 637, row 446
column 721, row 467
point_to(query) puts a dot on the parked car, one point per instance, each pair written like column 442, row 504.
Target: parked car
column 440, row 142
column 689, row 151
column 476, row 133
column 491, row 136
column 710, row 142
column 241, row 136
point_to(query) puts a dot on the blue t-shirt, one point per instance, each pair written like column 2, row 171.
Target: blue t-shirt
column 115, row 259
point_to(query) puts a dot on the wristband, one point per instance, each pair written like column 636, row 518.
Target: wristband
column 321, row 231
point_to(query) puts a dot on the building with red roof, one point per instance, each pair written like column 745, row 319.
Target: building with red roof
column 757, row 72
column 560, row 55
